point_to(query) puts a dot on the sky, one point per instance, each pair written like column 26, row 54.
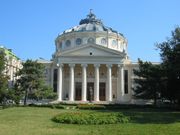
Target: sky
column 30, row 27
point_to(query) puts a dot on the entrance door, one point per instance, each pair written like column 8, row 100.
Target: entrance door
column 78, row 91
column 90, row 91
column 102, row 91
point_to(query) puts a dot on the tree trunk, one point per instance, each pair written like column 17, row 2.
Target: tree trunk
column 155, row 102
column 155, row 99
column 25, row 97
column 179, row 103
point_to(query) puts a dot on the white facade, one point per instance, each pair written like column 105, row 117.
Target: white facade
column 91, row 64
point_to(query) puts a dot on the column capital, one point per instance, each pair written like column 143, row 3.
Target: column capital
column 60, row 65
column 109, row 65
column 120, row 65
column 84, row 65
column 97, row 65
column 72, row 65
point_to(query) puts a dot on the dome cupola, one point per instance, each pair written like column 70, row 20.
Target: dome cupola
column 91, row 31
column 91, row 18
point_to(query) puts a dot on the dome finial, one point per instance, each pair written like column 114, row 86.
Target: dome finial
column 91, row 15
column 90, row 12
column 91, row 18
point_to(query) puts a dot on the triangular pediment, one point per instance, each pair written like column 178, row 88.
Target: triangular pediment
column 92, row 50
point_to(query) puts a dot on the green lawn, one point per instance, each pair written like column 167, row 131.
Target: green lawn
column 37, row 121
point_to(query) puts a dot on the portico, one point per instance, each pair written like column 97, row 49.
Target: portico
column 83, row 77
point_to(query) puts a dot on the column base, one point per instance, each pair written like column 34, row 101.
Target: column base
column 59, row 100
column 82, row 102
column 96, row 101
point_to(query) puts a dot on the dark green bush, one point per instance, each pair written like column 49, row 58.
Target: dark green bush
column 42, row 105
column 90, row 118
column 90, row 106
column 54, row 106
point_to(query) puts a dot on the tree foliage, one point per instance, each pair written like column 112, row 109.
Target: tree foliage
column 170, row 55
column 4, row 91
column 31, row 83
column 163, row 79
column 149, row 81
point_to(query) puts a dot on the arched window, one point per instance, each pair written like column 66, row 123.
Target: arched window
column 114, row 43
column 91, row 40
column 103, row 41
column 60, row 46
column 94, row 28
column 68, row 43
column 78, row 41
column 121, row 46
column 83, row 29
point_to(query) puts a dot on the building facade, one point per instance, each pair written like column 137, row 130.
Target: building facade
column 13, row 64
column 91, row 64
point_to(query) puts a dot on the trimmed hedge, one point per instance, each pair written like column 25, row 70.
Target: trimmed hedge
column 91, row 118
column 91, row 106
column 54, row 106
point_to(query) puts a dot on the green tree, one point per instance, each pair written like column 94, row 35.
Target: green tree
column 31, row 81
column 148, row 81
column 16, row 92
column 45, row 92
column 170, row 55
column 3, row 80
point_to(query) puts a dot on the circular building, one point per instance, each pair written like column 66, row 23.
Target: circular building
column 91, row 64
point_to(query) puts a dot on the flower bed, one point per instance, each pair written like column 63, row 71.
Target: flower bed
column 90, row 118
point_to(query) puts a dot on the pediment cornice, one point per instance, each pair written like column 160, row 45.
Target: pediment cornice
column 98, row 50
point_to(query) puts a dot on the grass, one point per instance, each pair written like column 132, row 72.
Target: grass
column 37, row 121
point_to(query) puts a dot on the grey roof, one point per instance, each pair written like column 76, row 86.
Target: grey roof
column 91, row 23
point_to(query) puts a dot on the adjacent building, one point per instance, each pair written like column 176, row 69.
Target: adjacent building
column 13, row 64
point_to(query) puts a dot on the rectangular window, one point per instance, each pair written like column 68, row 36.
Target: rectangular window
column 78, row 91
column 55, row 80
column 126, row 81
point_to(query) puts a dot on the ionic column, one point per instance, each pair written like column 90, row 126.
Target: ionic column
column 59, row 80
column 109, row 78
column 71, row 92
column 84, row 82
column 96, row 90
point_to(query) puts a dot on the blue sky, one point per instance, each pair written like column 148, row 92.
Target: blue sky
column 29, row 27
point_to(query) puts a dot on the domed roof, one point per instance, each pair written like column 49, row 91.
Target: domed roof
column 91, row 23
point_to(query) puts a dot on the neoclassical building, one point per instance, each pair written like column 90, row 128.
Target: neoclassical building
column 91, row 64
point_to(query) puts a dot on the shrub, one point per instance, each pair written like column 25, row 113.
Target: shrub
column 53, row 106
column 90, row 106
column 42, row 105
column 90, row 118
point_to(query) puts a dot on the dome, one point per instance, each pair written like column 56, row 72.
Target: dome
column 90, row 31
column 91, row 23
